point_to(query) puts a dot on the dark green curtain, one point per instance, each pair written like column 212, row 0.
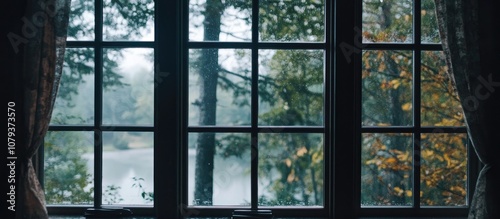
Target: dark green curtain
column 43, row 55
column 470, row 39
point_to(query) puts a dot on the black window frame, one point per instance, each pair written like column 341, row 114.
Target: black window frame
column 98, row 44
column 342, row 123
column 416, row 47
column 255, row 45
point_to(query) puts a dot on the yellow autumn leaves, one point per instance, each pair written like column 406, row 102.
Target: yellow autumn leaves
column 443, row 166
column 400, row 192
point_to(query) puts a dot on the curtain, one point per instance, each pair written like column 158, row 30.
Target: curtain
column 468, row 30
column 44, row 32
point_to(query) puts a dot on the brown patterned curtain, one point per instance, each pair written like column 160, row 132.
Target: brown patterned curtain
column 45, row 35
column 469, row 34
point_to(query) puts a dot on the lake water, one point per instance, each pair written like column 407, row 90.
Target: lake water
column 231, row 176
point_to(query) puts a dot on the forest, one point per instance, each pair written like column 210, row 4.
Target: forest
column 291, row 93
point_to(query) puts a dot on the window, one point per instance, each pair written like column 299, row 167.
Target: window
column 204, row 107
column 99, row 147
column 414, row 147
column 256, row 105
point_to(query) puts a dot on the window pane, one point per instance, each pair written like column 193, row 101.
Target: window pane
column 387, row 88
column 387, row 21
column 128, row 85
column 128, row 20
column 81, row 20
column 443, row 177
column 430, row 30
column 386, row 170
column 233, row 17
column 127, row 168
column 69, row 168
column 291, row 87
column 219, row 86
column 75, row 98
column 440, row 103
column 219, row 169
column 292, row 20
column 291, row 169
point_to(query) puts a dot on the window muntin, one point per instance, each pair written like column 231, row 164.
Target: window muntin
column 414, row 88
column 104, row 110
column 427, row 48
column 267, row 98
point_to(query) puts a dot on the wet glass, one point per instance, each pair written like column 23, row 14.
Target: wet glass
column 286, row 21
column 127, row 168
column 132, row 20
column 386, row 169
column 387, row 21
column 430, row 30
column 81, row 20
column 291, row 169
column 443, row 174
column 234, row 17
column 387, row 81
column 291, row 87
column 219, row 87
column 231, row 169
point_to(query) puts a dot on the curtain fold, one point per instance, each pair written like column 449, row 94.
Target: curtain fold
column 470, row 41
column 45, row 26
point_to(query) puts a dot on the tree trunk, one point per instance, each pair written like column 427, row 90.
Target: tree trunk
column 209, row 73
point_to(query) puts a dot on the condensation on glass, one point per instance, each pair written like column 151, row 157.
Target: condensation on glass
column 386, row 169
column 231, row 169
column 234, row 17
column 128, row 21
column 387, row 21
column 225, row 79
column 81, row 24
column 443, row 174
column 292, row 21
column 387, row 80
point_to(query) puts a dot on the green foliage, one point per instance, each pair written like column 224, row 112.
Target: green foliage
column 387, row 100
column 290, row 88
column 112, row 195
column 67, row 180
column 147, row 196
column 292, row 20
column 291, row 168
